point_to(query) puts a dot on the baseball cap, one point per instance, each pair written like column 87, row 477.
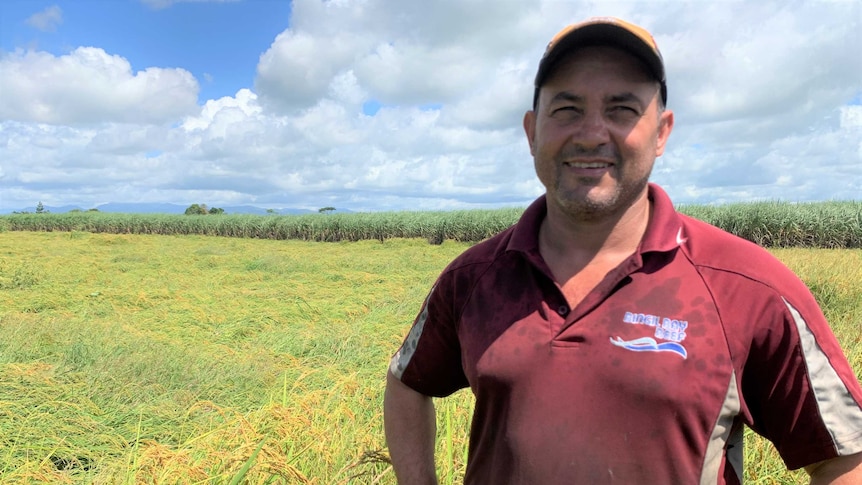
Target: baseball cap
column 603, row 31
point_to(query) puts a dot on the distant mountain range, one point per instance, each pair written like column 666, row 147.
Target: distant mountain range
column 132, row 208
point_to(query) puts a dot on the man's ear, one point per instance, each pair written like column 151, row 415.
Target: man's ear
column 665, row 126
column 530, row 129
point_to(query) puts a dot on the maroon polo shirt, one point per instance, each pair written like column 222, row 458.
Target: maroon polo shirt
column 651, row 378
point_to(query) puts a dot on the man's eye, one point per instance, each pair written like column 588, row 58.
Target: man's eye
column 564, row 109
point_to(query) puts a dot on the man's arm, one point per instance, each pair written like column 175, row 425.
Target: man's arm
column 843, row 470
column 410, row 424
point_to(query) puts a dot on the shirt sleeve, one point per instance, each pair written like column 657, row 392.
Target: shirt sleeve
column 797, row 384
column 429, row 359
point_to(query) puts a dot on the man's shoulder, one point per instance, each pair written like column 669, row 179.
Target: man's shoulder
column 478, row 258
column 483, row 253
column 708, row 246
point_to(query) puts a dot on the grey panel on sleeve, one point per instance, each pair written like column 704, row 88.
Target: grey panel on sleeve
column 840, row 413
column 402, row 358
column 721, row 437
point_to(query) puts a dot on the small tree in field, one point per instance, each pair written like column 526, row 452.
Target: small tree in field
column 40, row 209
column 196, row 210
column 202, row 210
column 325, row 210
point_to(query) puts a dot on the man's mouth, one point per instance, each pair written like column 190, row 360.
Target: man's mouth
column 588, row 164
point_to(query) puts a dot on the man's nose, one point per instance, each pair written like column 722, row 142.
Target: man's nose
column 592, row 131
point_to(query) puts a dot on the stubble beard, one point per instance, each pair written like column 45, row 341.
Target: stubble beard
column 611, row 203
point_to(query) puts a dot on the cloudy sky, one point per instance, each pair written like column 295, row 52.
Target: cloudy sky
column 374, row 105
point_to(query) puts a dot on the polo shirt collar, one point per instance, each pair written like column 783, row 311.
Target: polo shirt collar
column 663, row 233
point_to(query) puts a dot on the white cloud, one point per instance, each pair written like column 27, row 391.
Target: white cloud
column 89, row 85
column 498, row 104
column 763, row 95
column 819, row 164
column 410, row 52
column 47, row 20
column 770, row 62
column 298, row 68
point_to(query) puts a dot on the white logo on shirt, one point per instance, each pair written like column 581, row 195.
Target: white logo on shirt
column 679, row 239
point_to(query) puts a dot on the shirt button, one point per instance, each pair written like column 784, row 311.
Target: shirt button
column 563, row 310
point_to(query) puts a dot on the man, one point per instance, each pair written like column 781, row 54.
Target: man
column 607, row 338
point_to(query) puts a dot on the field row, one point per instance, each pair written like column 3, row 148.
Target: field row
column 192, row 359
column 770, row 224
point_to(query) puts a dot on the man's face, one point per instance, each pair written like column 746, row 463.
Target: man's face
column 596, row 132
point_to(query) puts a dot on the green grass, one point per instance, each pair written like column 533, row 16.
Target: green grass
column 192, row 359
column 165, row 359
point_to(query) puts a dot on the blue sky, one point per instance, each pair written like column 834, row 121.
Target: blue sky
column 377, row 105
column 218, row 42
